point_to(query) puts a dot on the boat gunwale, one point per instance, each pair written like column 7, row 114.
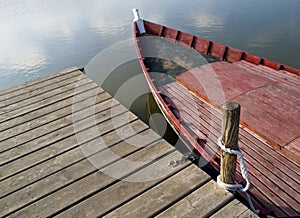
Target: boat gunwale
column 214, row 49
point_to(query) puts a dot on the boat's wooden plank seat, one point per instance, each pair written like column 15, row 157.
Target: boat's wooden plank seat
column 276, row 75
column 269, row 105
column 269, row 168
column 289, row 80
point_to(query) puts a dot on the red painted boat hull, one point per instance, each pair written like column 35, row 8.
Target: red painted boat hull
column 223, row 53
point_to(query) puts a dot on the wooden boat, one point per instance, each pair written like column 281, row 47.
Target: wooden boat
column 267, row 91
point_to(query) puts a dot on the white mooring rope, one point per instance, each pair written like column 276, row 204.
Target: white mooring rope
column 237, row 186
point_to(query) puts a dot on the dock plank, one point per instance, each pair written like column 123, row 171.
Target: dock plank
column 234, row 209
column 29, row 137
column 77, row 151
column 34, row 84
column 85, row 95
column 65, row 153
column 13, row 101
column 61, row 95
column 45, row 140
column 91, row 178
column 120, row 193
column 52, row 116
column 28, row 101
column 166, row 193
column 201, row 203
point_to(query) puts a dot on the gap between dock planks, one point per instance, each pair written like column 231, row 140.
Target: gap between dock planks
column 62, row 153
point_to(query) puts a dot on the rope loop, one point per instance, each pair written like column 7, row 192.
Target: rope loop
column 244, row 171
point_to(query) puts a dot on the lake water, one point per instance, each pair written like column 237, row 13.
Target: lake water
column 39, row 37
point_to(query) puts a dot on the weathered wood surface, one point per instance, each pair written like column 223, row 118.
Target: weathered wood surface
column 230, row 139
column 199, row 203
column 164, row 194
column 62, row 150
column 234, row 209
column 269, row 98
column 270, row 169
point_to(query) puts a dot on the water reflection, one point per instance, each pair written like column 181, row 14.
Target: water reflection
column 208, row 22
column 28, row 55
column 41, row 37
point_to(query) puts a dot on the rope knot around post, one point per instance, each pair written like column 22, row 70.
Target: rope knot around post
column 230, row 149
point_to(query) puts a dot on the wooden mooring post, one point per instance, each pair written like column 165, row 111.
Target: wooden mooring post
column 230, row 133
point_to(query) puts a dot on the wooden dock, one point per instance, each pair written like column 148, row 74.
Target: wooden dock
column 67, row 148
